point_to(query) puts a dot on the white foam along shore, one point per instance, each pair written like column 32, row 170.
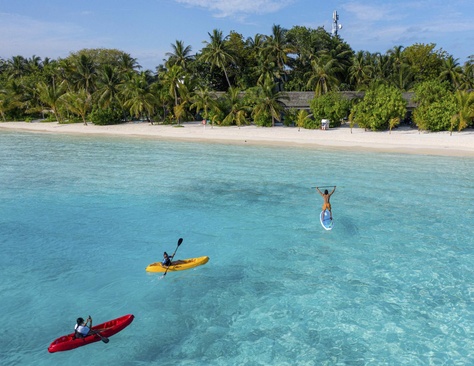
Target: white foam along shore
column 401, row 140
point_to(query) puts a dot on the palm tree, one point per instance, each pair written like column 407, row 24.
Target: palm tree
column 322, row 77
column 203, row 99
column 277, row 48
column 34, row 63
column 16, row 67
column 468, row 74
column 181, row 55
column 217, row 53
column 396, row 55
column 451, row 72
column 265, row 69
column 173, row 80
column 163, row 97
column 301, row 118
column 465, row 107
column 108, row 86
column 138, row 96
column 402, row 77
column 382, row 66
column 5, row 104
column 79, row 103
column 50, row 94
column 127, row 64
column 85, row 73
column 179, row 111
column 237, row 110
column 393, row 122
column 360, row 71
column 269, row 101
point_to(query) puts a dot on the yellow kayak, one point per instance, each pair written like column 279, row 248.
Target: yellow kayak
column 180, row 266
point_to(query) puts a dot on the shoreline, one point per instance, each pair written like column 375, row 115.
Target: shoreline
column 402, row 140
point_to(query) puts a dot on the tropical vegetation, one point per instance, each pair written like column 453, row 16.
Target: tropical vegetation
column 234, row 80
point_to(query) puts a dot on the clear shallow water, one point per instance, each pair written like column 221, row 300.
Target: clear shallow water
column 81, row 218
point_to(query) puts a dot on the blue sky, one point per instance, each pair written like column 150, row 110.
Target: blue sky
column 146, row 28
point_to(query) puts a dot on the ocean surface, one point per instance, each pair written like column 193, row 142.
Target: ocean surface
column 82, row 216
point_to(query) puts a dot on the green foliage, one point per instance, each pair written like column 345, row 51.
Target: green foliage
column 311, row 124
column 465, row 109
column 263, row 119
column 50, row 118
column 436, row 106
column 330, row 106
column 380, row 104
column 106, row 116
column 216, row 115
column 436, row 116
column 302, row 118
column 297, row 59
column 430, row 91
column 425, row 63
column 290, row 117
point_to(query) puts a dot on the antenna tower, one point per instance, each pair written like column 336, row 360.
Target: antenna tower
column 335, row 25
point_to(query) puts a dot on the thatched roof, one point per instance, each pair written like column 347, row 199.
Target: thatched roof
column 301, row 100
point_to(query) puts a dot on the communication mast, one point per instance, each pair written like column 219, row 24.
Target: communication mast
column 335, row 25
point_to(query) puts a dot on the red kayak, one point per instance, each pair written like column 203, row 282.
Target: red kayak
column 107, row 329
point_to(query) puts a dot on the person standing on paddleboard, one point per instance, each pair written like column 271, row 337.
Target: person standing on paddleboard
column 327, row 196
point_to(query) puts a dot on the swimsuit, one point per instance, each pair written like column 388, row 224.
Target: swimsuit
column 327, row 206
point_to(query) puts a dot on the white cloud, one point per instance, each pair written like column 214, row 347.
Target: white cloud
column 367, row 12
column 225, row 8
column 22, row 35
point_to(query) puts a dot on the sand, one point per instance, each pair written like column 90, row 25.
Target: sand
column 402, row 140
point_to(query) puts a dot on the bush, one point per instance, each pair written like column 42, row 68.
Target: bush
column 436, row 106
column 263, row 120
column 330, row 106
column 104, row 117
column 379, row 106
column 290, row 117
column 437, row 115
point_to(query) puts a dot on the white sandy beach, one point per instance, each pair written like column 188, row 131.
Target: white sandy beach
column 401, row 140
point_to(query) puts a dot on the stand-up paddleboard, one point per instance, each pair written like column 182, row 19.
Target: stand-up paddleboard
column 326, row 221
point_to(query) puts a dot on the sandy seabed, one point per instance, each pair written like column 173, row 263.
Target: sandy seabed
column 401, row 140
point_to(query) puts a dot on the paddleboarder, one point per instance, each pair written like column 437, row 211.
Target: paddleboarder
column 327, row 196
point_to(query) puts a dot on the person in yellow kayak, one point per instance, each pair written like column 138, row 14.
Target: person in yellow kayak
column 166, row 262
column 327, row 196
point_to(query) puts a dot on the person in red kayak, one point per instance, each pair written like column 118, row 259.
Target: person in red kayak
column 83, row 329
column 326, row 196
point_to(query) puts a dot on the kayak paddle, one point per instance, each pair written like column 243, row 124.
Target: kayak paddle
column 102, row 338
column 172, row 257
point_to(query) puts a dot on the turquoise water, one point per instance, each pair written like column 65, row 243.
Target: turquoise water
column 81, row 218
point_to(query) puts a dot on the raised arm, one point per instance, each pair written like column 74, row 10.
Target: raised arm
column 332, row 191
column 321, row 193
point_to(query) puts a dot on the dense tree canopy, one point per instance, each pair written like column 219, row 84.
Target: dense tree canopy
column 233, row 80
